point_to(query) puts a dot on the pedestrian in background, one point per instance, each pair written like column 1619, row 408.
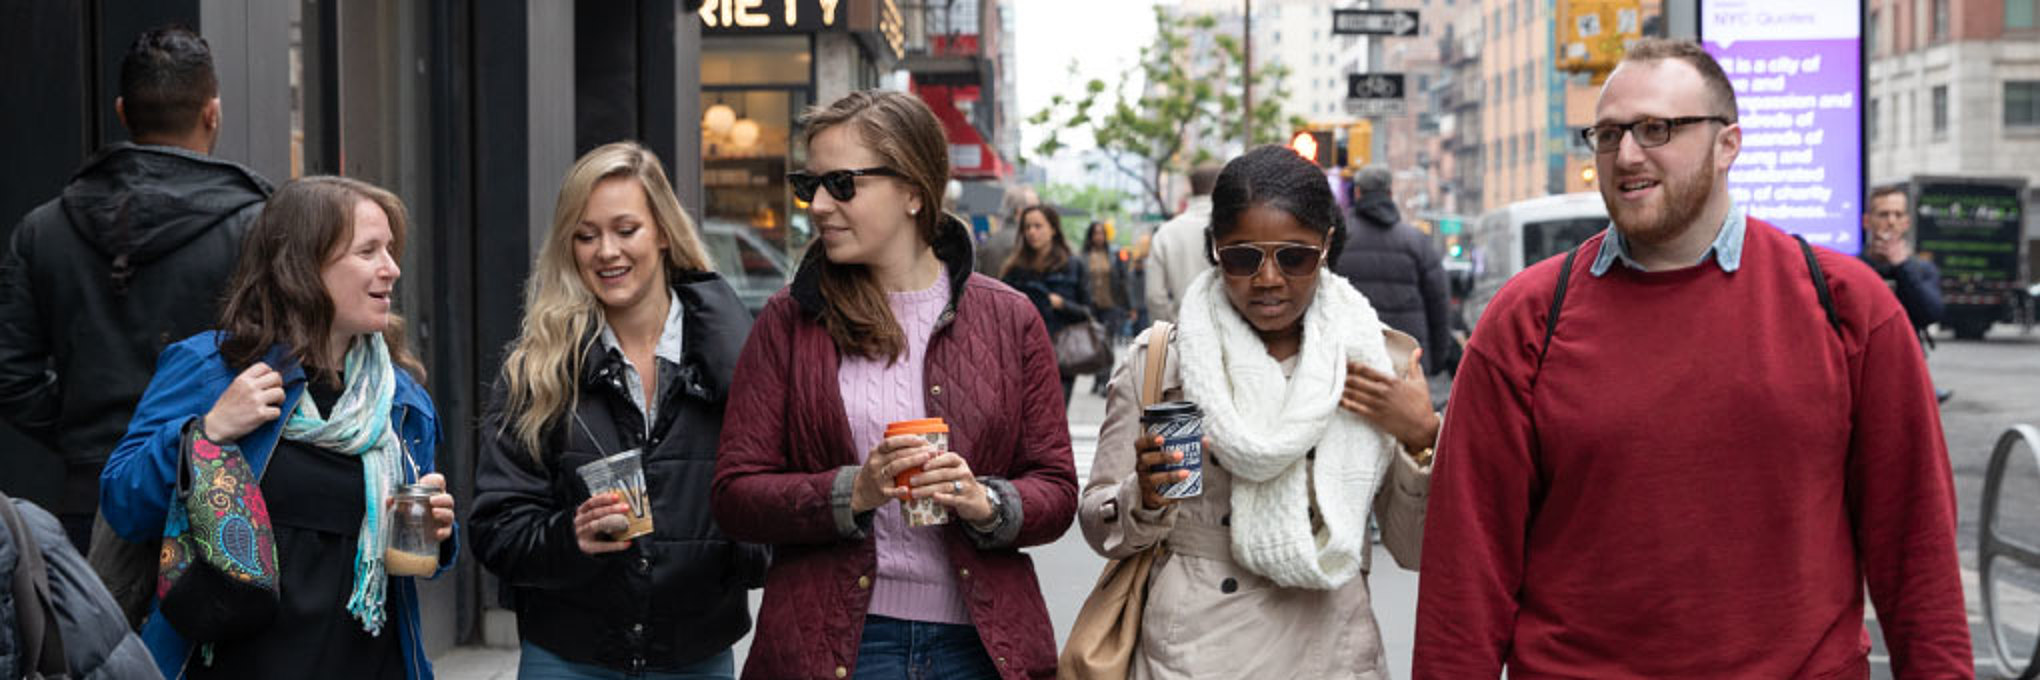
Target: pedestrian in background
column 886, row 323
column 1307, row 435
column 1691, row 454
column 1915, row 280
column 1176, row 254
column 133, row 256
column 1397, row 267
column 308, row 375
column 1136, row 283
column 628, row 343
column 1105, row 279
column 1056, row 281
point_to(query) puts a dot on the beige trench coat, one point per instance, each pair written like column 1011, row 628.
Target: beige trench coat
column 1207, row 617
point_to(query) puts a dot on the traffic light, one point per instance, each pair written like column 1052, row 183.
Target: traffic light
column 1315, row 146
column 1359, row 143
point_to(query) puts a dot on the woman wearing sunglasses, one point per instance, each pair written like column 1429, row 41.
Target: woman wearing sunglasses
column 885, row 322
column 1308, row 428
column 1053, row 279
column 627, row 344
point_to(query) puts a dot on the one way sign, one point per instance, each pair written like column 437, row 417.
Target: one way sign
column 1398, row 22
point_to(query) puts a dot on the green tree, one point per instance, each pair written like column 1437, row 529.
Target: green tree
column 1099, row 203
column 1193, row 82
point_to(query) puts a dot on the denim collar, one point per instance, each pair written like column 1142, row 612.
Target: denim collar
column 1726, row 251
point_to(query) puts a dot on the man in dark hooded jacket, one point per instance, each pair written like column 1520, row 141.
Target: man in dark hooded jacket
column 132, row 257
column 1396, row 267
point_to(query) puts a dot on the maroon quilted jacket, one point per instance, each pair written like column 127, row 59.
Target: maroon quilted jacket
column 991, row 374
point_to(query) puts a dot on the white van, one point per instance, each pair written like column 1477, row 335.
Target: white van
column 1520, row 234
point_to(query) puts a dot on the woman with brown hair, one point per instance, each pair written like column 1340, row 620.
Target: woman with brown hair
column 885, row 323
column 1053, row 279
column 627, row 344
column 310, row 379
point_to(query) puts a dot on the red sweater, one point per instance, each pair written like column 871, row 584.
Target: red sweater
column 1698, row 483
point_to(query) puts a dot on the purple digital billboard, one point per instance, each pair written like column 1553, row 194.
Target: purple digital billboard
column 1797, row 69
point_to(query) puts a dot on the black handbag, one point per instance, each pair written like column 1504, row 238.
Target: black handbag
column 1081, row 348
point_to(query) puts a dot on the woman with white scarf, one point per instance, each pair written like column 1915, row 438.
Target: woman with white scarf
column 310, row 380
column 1306, row 434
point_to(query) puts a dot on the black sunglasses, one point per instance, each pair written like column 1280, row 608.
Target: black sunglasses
column 1649, row 132
column 841, row 184
column 1244, row 259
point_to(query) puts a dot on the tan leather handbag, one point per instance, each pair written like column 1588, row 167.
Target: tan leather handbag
column 1107, row 630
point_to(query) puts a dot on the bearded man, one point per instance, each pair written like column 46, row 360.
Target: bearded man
column 1688, row 454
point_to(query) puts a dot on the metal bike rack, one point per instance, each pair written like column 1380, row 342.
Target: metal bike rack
column 1990, row 547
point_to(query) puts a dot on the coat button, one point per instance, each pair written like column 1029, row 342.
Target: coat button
column 1002, row 660
column 1225, row 521
column 935, row 391
column 1228, row 585
column 644, row 566
column 963, row 573
column 842, row 672
column 864, row 582
column 637, row 628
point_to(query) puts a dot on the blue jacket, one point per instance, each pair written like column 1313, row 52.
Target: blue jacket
column 141, row 475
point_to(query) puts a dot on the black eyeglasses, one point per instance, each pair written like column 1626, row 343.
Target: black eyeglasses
column 1650, row 132
column 841, row 184
column 1244, row 259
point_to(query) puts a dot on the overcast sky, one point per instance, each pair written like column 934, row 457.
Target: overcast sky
column 1103, row 37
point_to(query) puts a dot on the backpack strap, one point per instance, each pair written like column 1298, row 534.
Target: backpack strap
column 1820, row 286
column 42, row 644
column 1557, row 300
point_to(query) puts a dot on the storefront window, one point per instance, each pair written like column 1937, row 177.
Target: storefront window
column 752, row 89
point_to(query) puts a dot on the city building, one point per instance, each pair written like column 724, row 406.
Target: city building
column 1954, row 88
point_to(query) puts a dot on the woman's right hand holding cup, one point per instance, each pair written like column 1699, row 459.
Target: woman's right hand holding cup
column 598, row 521
column 1152, row 459
column 877, row 481
column 254, row 397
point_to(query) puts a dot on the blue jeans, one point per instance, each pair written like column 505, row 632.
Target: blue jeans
column 894, row 649
column 535, row 663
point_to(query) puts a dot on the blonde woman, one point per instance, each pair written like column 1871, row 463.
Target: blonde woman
column 628, row 342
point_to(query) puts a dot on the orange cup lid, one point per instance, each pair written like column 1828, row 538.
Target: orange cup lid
column 919, row 426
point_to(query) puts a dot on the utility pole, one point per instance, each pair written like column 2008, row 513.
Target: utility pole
column 1247, row 81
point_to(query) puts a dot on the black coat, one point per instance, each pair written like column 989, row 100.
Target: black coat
column 1399, row 271
column 675, row 597
column 1072, row 282
column 132, row 257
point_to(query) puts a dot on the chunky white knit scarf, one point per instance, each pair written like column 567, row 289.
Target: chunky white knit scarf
column 1261, row 426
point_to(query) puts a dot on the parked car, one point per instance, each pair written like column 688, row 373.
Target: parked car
column 752, row 265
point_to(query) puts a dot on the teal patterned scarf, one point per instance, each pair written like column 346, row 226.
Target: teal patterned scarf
column 360, row 426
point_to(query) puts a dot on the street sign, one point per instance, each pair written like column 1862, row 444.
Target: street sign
column 1376, row 107
column 1374, row 86
column 1397, row 22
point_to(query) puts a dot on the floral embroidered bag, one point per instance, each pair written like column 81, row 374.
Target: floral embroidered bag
column 217, row 578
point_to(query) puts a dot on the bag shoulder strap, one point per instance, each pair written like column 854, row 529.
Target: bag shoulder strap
column 1820, row 286
column 1159, row 336
column 1557, row 301
column 42, row 643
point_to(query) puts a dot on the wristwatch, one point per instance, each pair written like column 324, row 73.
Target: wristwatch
column 991, row 496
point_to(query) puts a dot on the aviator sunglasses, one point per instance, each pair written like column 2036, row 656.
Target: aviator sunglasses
column 841, row 184
column 1244, row 259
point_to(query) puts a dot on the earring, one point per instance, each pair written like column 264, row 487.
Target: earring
column 913, row 211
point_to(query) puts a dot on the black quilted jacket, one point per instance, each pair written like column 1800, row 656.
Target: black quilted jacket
column 991, row 374
column 673, row 598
